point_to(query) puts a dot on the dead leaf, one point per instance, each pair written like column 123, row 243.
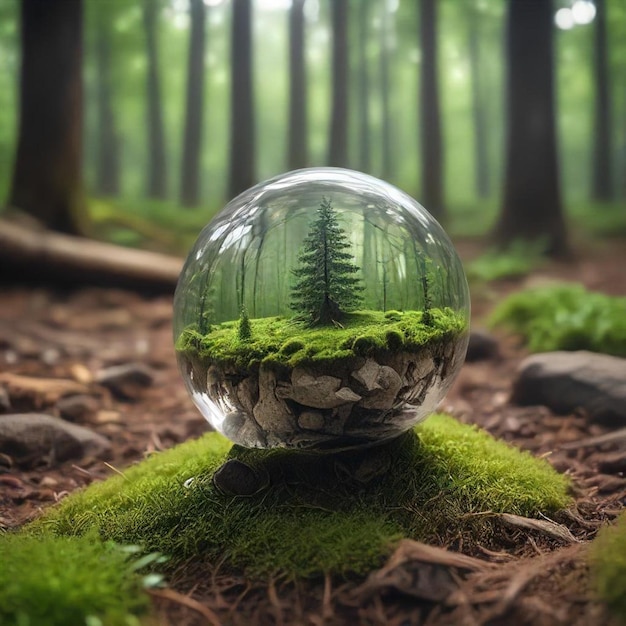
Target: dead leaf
column 420, row 571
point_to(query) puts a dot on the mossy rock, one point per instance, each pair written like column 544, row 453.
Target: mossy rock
column 333, row 513
column 607, row 555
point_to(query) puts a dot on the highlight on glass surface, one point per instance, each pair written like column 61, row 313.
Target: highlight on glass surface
column 321, row 309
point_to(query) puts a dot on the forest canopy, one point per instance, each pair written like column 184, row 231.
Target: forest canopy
column 187, row 102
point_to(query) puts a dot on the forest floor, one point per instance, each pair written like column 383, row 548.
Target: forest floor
column 73, row 335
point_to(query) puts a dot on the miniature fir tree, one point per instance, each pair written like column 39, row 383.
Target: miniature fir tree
column 327, row 287
column 244, row 332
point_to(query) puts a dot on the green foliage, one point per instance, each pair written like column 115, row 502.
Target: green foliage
column 326, row 288
column 281, row 342
column 519, row 259
column 292, row 346
column 63, row 581
column 600, row 219
column 393, row 315
column 394, row 339
column 366, row 345
column 314, row 518
column 244, row 330
column 565, row 317
column 607, row 557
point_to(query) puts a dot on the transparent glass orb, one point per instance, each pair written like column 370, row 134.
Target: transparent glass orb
column 323, row 308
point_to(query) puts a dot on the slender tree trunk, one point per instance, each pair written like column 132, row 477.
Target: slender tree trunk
column 531, row 206
column 623, row 161
column 387, row 165
column 157, row 171
column 430, row 120
column 47, row 180
column 481, row 164
column 602, row 188
column 297, row 149
column 108, row 161
column 190, row 174
column 364, row 89
column 242, row 140
column 338, row 144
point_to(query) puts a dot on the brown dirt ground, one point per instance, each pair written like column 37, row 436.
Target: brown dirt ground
column 534, row 579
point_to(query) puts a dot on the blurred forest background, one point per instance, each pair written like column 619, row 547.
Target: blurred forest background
column 181, row 104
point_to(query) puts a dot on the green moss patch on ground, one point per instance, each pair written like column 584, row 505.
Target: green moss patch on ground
column 321, row 513
column 607, row 555
column 520, row 258
column 60, row 581
column 565, row 317
column 277, row 341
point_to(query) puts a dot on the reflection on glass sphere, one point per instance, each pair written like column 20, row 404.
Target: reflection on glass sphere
column 323, row 308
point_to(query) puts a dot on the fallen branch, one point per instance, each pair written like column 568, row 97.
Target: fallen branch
column 28, row 252
column 547, row 527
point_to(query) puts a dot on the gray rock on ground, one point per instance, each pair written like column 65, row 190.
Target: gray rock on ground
column 126, row 380
column 482, row 346
column 76, row 408
column 32, row 439
column 236, row 478
column 566, row 381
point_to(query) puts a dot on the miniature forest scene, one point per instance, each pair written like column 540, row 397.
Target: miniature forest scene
column 321, row 309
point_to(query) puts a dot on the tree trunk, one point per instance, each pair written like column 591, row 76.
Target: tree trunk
column 364, row 88
column 190, row 174
column 601, row 186
column 387, row 166
column 481, row 163
column 297, row 142
column 28, row 253
column 430, row 121
column 108, row 162
column 157, row 171
column 623, row 160
column 47, row 180
column 531, row 207
column 242, row 140
column 338, row 144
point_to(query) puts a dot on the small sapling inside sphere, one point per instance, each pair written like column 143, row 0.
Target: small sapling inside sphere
column 322, row 309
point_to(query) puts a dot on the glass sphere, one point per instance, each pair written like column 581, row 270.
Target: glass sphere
column 323, row 308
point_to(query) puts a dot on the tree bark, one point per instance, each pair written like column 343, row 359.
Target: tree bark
column 338, row 143
column 157, row 170
column 531, row 207
column 363, row 14
column 297, row 150
column 387, row 165
column 108, row 162
column 242, row 139
column 481, row 163
column 602, row 180
column 47, row 179
column 190, row 174
column 430, row 119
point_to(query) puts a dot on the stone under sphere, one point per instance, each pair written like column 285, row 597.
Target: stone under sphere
column 322, row 309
